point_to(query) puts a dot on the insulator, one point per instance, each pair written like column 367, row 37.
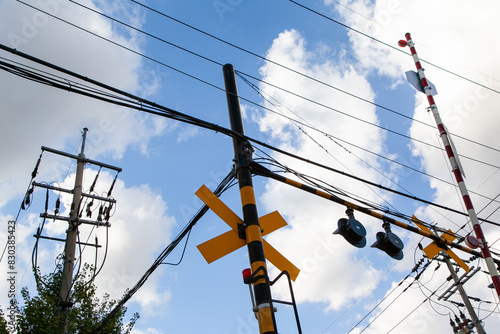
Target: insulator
column 453, row 325
column 465, row 321
column 89, row 211
column 108, row 212
column 47, row 200
column 99, row 216
column 35, row 171
column 58, row 204
column 27, row 199
column 112, row 186
column 95, row 180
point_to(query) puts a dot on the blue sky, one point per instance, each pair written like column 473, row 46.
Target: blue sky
column 164, row 162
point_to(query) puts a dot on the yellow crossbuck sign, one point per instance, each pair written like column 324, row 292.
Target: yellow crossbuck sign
column 433, row 249
column 228, row 242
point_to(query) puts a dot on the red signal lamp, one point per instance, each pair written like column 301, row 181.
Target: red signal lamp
column 471, row 241
column 402, row 43
column 247, row 273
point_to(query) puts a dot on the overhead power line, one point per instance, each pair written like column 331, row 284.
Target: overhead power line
column 391, row 46
column 139, row 103
column 225, row 183
column 214, row 86
column 267, row 60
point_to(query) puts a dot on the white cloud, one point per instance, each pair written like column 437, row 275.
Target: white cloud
column 147, row 331
column 140, row 228
column 50, row 117
column 43, row 116
column 308, row 242
column 450, row 39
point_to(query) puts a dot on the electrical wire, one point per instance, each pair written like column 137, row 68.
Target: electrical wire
column 390, row 45
column 120, row 45
column 309, row 125
column 186, row 245
column 140, row 53
column 223, row 186
column 159, row 110
column 296, row 71
column 203, row 80
column 183, row 251
column 410, row 313
column 382, row 300
column 360, row 119
column 217, row 63
column 33, row 175
column 299, row 126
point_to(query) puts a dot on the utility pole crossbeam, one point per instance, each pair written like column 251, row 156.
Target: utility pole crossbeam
column 75, row 221
column 455, row 165
column 251, row 229
column 47, row 186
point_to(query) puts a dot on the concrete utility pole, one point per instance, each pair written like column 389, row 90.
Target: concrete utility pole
column 71, row 235
column 465, row 297
column 74, row 221
column 251, row 229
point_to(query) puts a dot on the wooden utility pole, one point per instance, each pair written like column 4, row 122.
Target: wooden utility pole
column 251, row 229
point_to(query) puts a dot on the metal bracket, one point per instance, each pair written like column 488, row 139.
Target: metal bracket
column 241, row 231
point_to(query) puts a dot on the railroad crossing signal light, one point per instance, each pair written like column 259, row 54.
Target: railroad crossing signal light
column 389, row 243
column 230, row 241
column 352, row 230
column 435, row 248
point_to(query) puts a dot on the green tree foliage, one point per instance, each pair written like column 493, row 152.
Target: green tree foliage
column 40, row 314
column 3, row 323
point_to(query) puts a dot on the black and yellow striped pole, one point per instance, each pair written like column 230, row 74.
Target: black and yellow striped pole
column 251, row 229
column 440, row 242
